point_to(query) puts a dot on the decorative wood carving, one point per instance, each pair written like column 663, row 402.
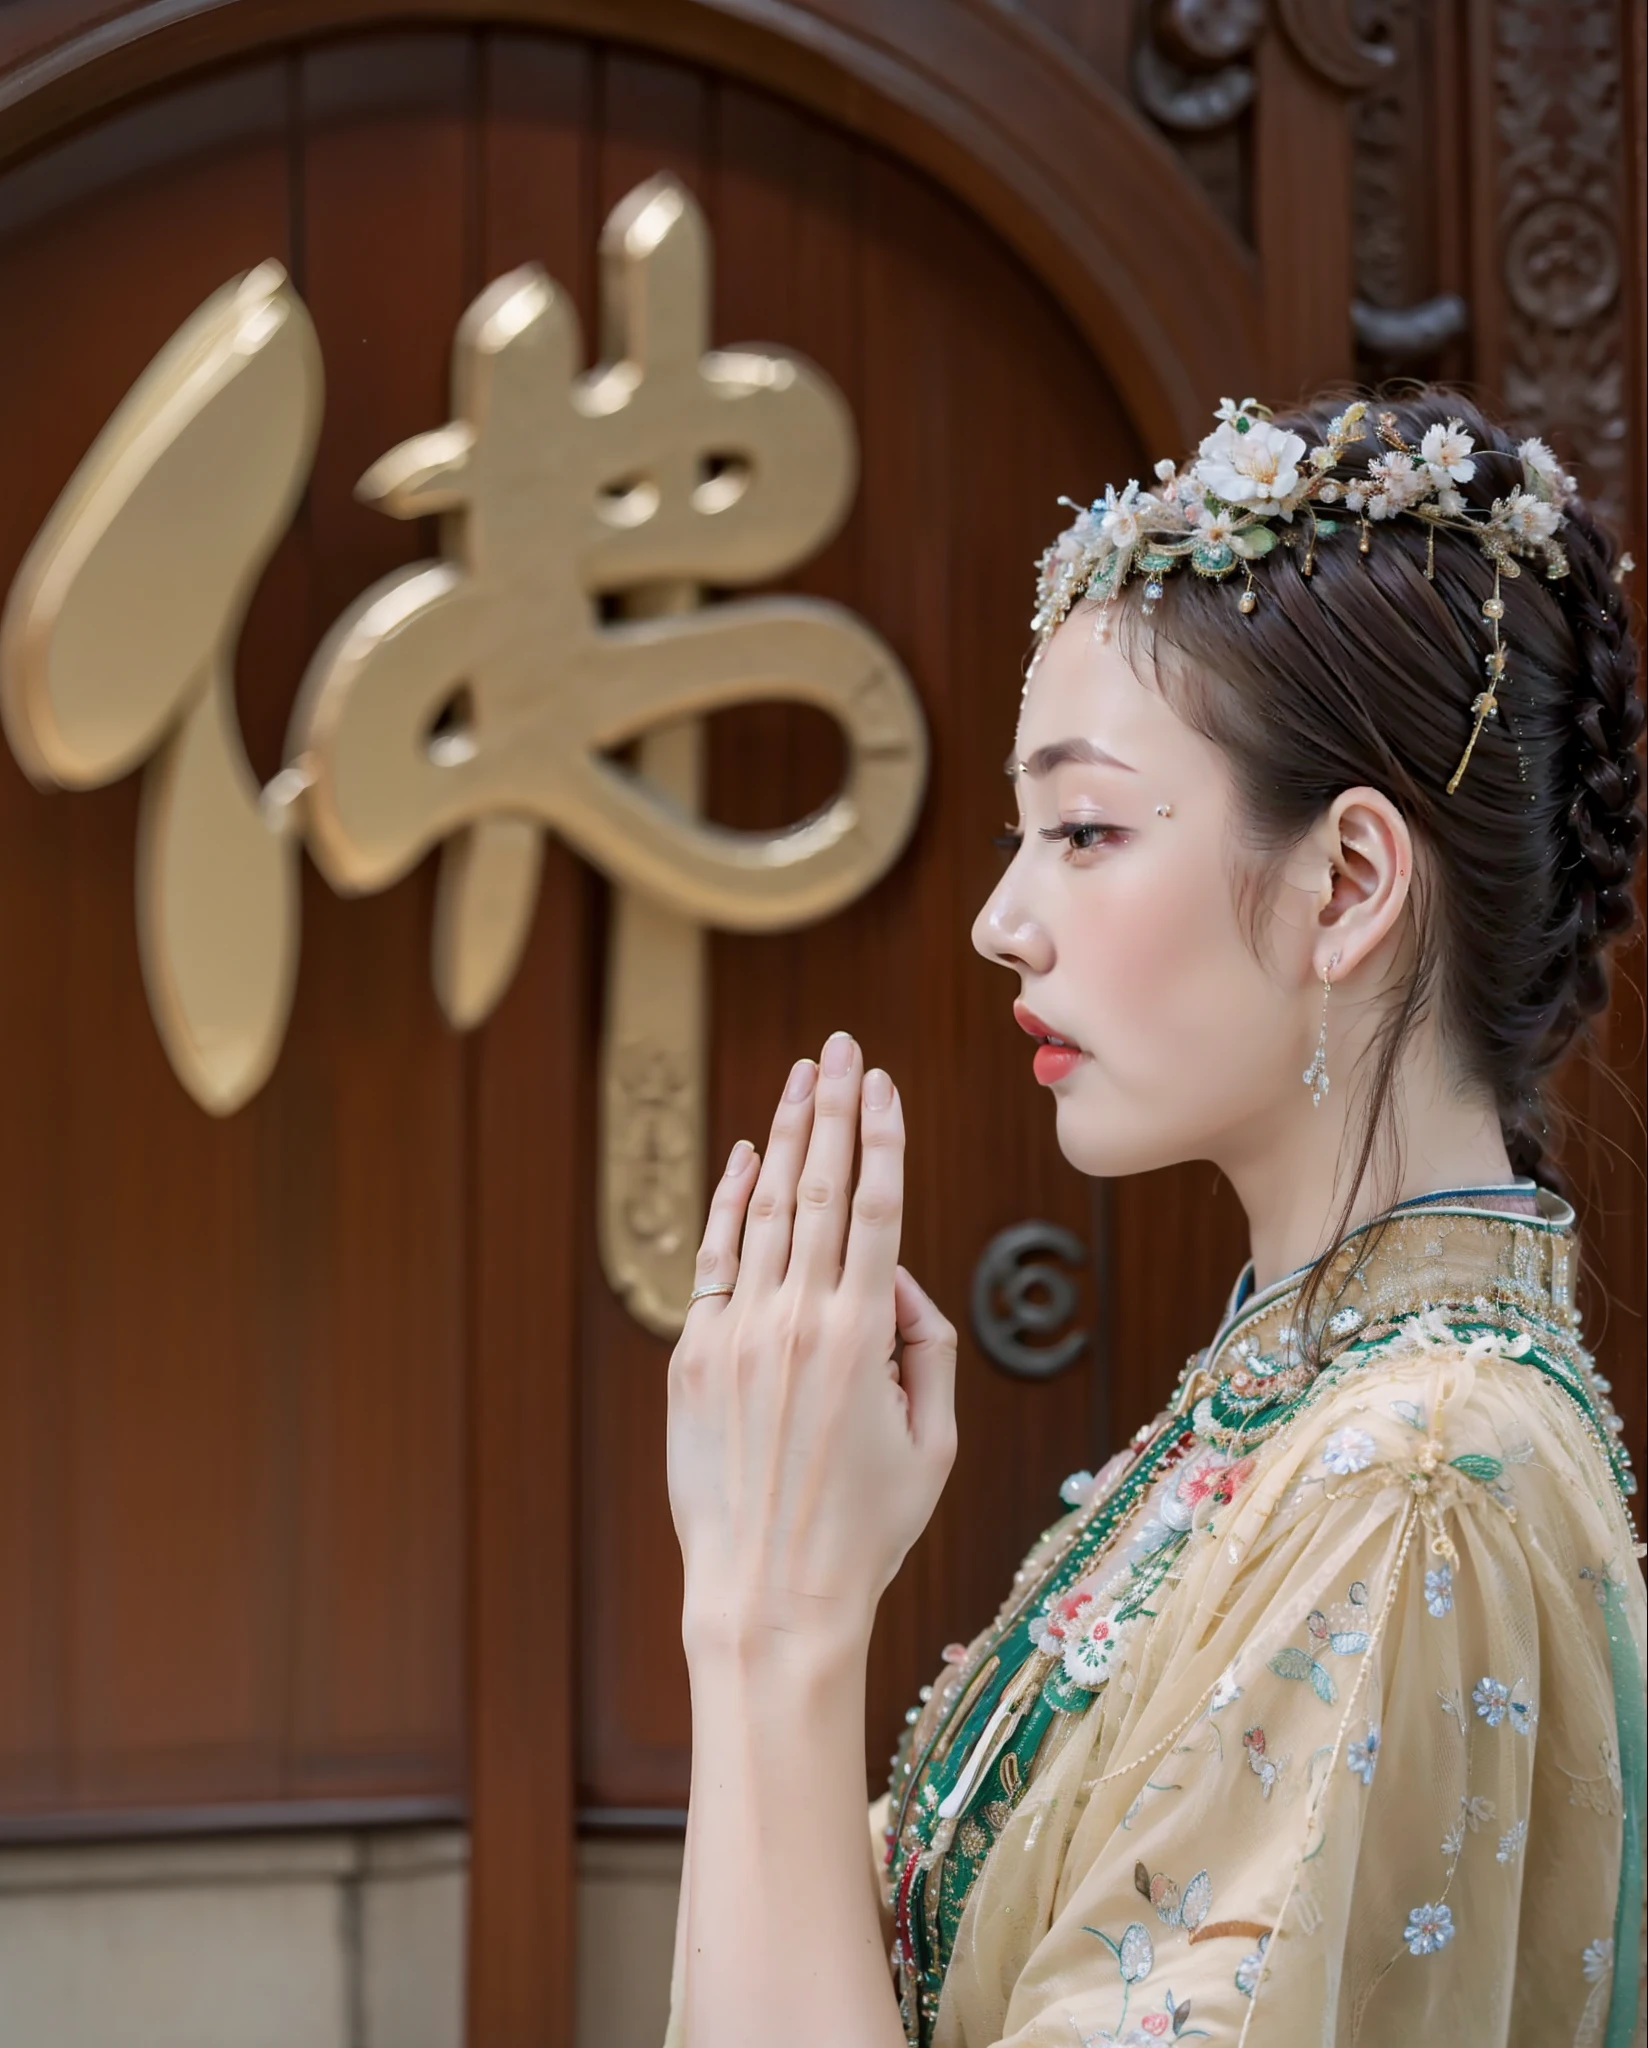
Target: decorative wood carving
column 1190, row 65
column 1325, row 34
column 1405, row 313
column 1558, row 87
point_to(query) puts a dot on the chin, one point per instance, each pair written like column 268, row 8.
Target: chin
column 1106, row 1140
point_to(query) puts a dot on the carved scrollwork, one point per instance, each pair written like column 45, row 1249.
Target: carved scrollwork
column 1202, row 34
column 1409, row 334
column 1023, row 1298
column 1326, row 35
column 1189, row 65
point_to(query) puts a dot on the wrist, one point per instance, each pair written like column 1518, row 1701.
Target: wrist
column 740, row 1640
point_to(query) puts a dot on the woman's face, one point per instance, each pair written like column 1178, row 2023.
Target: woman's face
column 1119, row 913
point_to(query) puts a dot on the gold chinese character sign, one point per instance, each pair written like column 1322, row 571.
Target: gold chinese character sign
column 474, row 701
column 117, row 648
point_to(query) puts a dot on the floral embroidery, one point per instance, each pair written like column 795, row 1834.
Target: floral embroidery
column 1364, row 1755
column 1511, row 1841
column 1339, row 1632
column 1409, row 1412
column 1475, row 1813
column 1598, row 1959
column 1134, row 1953
column 1347, row 1451
column 1135, row 1958
column 1169, row 2024
column 1452, row 1706
column 1494, row 1699
column 1439, row 1590
column 1601, row 1576
column 1225, row 1690
column 1058, row 1620
column 1266, row 1768
column 1188, row 1909
column 1090, row 1653
column 1491, row 1696
column 1083, row 1635
column 1214, row 1482
column 1249, row 1969
column 1429, row 1928
column 1209, row 1475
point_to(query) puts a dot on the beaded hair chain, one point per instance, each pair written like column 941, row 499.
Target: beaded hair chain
column 1251, row 479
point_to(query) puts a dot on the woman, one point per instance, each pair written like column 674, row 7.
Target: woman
column 1318, row 1717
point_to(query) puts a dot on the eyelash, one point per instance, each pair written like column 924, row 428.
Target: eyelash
column 1009, row 841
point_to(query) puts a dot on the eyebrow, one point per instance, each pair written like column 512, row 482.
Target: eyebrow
column 1045, row 759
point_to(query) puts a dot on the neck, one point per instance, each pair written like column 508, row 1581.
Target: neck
column 1292, row 1176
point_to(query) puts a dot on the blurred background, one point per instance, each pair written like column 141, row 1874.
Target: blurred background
column 341, row 1699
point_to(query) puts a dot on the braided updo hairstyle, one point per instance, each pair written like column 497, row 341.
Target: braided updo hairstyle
column 1365, row 672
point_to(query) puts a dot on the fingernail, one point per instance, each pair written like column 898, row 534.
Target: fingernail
column 878, row 1089
column 739, row 1157
column 800, row 1084
column 838, row 1055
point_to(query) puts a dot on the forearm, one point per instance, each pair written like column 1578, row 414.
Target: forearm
column 783, row 1938
column 676, row 2035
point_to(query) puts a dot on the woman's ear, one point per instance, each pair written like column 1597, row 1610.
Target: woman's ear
column 1368, row 872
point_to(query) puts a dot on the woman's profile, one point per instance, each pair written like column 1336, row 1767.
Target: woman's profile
column 1317, row 1716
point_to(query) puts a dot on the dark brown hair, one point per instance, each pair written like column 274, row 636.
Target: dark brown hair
column 1364, row 672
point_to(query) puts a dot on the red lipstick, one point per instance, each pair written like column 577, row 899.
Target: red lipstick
column 1056, row 1057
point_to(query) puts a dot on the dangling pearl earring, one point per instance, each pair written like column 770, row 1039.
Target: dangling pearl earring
column 1315, row 1076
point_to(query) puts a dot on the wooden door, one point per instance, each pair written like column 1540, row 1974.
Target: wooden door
column 331, row 1468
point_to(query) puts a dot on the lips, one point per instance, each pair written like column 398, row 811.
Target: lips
column 1056, row 1056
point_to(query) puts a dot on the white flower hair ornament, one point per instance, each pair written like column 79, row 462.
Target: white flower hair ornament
column 1252, row 480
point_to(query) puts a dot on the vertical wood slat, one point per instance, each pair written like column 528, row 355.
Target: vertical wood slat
column 373, row 1096
column 139, row 1564
column 1302, row 223
column 529, row 1186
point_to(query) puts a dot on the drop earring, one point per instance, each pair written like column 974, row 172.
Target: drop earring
column 1315, row 1076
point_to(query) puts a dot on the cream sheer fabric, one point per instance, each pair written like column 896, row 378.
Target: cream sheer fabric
column 1451, row 1879
column 1358, row 1776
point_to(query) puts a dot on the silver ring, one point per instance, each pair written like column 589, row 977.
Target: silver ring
column 702, row 1293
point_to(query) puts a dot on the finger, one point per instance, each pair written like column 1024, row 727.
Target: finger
column 717, row 1261
column 928, row 1367
column 821, row 1197
column 878, row 1200
column 771, row 1216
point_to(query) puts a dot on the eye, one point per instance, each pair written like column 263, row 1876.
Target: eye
column 1081, row 835
column 1008, row 841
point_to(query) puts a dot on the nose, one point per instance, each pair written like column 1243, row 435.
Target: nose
column 1004, row 931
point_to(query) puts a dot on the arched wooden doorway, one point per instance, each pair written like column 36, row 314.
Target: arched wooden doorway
column 334, row 1471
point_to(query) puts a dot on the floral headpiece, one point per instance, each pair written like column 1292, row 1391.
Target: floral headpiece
column 1251, row 479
